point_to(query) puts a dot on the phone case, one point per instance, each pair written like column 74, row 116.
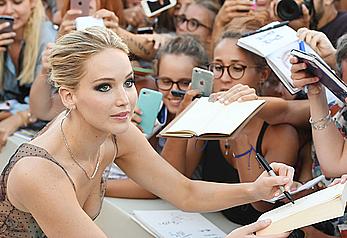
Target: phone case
column 149, row 102
column 82, row 5
column 202, row 80
column 88, row 21
column 153, row 7
column 7, row 19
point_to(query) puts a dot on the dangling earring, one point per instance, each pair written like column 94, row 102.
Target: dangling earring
column 68, row 111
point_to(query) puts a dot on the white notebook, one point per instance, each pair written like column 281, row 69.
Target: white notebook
column 177, row 224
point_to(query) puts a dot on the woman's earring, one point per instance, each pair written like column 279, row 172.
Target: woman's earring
column 68, row 111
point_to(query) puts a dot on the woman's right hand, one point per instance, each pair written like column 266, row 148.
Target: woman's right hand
column 6, row 38
column 68, row 22
column 187, row 99
column 247, row 231
column 239, row 92
column 45, row 55
column 232, row 9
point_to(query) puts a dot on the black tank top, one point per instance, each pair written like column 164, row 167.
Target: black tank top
column 215, row 168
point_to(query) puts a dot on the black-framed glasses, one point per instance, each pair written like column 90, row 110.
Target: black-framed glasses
column 235, row 71
column 166, row 84
column 192, row 24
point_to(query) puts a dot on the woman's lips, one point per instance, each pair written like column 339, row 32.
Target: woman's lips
column 121, row 115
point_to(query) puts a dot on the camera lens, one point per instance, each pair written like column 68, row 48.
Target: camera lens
column 288, row 10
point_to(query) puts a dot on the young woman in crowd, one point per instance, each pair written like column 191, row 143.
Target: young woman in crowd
column 327, row 136
column 198, row 19
column 233, row 161
column 20, row 58
column 76, row 149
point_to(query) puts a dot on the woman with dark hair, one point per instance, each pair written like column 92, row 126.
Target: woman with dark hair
column 233, row 160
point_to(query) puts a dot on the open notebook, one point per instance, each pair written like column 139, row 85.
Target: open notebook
column 275, row 46
column 177, row 224
column 320, row 206
column 211, row 120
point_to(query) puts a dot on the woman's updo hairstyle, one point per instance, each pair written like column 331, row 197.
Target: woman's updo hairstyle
column 71, row 51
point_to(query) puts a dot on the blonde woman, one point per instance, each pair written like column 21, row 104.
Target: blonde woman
column 20, row 57
column 95, row 81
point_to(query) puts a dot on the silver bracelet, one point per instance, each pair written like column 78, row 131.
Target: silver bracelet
column 321, row 123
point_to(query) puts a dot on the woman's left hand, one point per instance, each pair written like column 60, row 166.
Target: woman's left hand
column 110, row 19
column 239, row 92
column 267, row 187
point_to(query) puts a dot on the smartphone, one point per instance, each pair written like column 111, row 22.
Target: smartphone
column 145, row 30
column 88, row 21
column 153, row 7
column 149, row 102
column 202, row 80
column 9, row 19
column 82, row 5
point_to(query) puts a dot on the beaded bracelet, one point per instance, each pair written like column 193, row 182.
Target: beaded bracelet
column 321, row 123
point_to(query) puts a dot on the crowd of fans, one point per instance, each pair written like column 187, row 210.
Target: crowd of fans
column 306, row 131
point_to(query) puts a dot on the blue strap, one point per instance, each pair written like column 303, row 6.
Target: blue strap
column 247, row 152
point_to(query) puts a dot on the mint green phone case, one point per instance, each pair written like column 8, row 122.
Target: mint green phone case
column 203, row 81
column 149, row 102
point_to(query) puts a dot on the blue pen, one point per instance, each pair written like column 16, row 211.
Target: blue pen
column 302, row 45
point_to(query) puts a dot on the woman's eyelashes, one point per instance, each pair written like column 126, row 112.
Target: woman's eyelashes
column 104, row 87
column 130, row 82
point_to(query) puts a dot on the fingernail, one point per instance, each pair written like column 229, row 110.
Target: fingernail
column 277, row 194
column 239, row 100
column 226, row 102
column 7, row 24
column 266, row 221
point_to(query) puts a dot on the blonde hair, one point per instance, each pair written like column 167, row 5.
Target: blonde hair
column 32, row 35
column 73, row 49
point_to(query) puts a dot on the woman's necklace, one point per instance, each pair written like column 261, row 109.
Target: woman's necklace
column 73, row 157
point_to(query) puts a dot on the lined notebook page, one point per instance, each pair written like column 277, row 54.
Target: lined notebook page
column 178, row 224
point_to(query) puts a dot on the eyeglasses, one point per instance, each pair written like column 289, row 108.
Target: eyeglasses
column 235, row 71
column 192, row 24
column 166, row 84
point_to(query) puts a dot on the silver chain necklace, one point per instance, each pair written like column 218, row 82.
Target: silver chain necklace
column 73, row 157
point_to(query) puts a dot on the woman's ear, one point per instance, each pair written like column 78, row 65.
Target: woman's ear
column 66, row 96
column 33, row 4
column 265, row 74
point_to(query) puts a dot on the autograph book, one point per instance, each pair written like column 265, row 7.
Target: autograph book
column 211, row 120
